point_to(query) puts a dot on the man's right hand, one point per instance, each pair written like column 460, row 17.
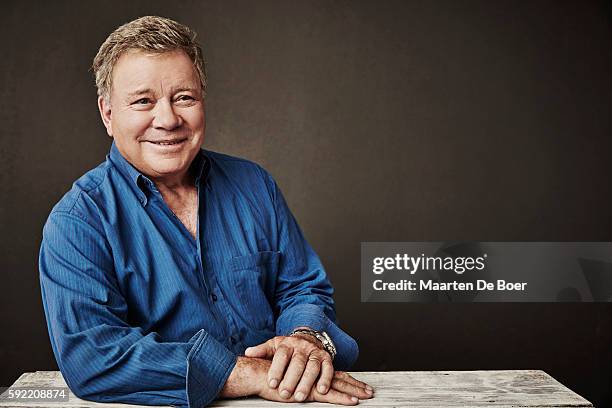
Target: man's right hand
column 250, row 377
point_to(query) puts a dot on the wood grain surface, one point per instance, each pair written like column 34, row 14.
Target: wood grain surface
column 516, row 388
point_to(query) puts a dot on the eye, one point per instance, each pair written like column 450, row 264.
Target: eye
column 184, row 98
column 142, row 101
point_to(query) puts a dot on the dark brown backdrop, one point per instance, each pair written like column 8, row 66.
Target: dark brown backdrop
column 382, row 121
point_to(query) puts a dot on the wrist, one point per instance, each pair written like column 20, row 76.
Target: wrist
column 306, row 333
column 309, row 338
column 247, row 378
column 322, row 338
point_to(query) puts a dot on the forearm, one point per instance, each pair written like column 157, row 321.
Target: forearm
column 141, row 369
column 101, row 356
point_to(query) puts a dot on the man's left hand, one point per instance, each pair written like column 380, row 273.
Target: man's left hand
column 304, row 358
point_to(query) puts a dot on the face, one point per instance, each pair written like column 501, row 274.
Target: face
column 156, row 112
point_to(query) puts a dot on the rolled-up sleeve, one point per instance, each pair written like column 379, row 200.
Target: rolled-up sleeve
column 303, row 292
column 102, row 357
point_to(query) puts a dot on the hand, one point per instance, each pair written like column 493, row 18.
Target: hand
column 301, row 358
column 344, row 391
column 304, row 359
column 249, row 377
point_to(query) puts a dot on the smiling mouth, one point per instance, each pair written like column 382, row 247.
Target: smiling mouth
column 166, row 142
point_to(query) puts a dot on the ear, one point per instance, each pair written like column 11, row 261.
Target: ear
column 105, row 113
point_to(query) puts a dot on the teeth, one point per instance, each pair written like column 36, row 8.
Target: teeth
column 167, row 143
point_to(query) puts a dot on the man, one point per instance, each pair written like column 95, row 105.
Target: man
column 174, row 275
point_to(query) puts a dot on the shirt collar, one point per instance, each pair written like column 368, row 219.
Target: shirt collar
column 123, row 165
column 200, row 165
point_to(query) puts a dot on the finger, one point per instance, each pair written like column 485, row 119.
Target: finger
column 350, row 389
column 263, row 350
column 279, row 363
column 334, row 397
column 311, row 372
column 293, row 374
column 327, row 374
column 343, row 375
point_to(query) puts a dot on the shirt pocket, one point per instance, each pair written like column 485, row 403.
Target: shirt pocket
column 253, row 280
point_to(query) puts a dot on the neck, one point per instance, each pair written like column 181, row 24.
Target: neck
column 175, row 183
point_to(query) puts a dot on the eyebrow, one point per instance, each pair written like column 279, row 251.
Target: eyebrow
column 183, row 88
column 139, row 92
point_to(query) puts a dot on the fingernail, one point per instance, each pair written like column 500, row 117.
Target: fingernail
column 369, row 392
column 322, row 389
column 285, row 394
column 299, row 396
column 354, row 399
column 273, row 383
column 369, row 388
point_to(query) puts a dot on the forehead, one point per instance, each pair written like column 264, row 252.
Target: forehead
column 161, row 72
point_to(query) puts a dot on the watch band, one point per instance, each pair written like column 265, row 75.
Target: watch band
column 323, row 337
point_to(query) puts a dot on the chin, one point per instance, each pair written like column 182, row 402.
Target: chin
column 167, row 166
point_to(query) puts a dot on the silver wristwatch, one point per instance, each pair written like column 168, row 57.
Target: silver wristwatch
column 323, row 337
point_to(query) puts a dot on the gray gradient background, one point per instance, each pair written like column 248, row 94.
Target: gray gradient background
column 381, row 121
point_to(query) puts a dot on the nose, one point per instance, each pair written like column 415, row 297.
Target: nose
column 165, row 116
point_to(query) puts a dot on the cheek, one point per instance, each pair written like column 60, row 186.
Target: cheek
column 195, row 119
column 131, row 124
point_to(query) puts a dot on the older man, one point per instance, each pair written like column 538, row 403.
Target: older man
column 164, row 263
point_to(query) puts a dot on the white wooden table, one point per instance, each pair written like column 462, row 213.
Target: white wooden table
column 516, row 388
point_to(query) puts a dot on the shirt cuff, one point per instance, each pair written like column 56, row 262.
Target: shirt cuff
column 209, row 364
column 312, row 316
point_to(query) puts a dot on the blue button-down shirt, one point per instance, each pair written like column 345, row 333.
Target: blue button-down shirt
column 139, row 311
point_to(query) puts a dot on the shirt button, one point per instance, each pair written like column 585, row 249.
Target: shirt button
column 233, row 340
column 213, row 297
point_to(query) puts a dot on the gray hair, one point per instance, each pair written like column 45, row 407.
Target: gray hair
column 151, row 34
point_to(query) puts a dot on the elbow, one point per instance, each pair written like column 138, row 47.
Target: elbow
column 79, row 388
column 82, row 384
